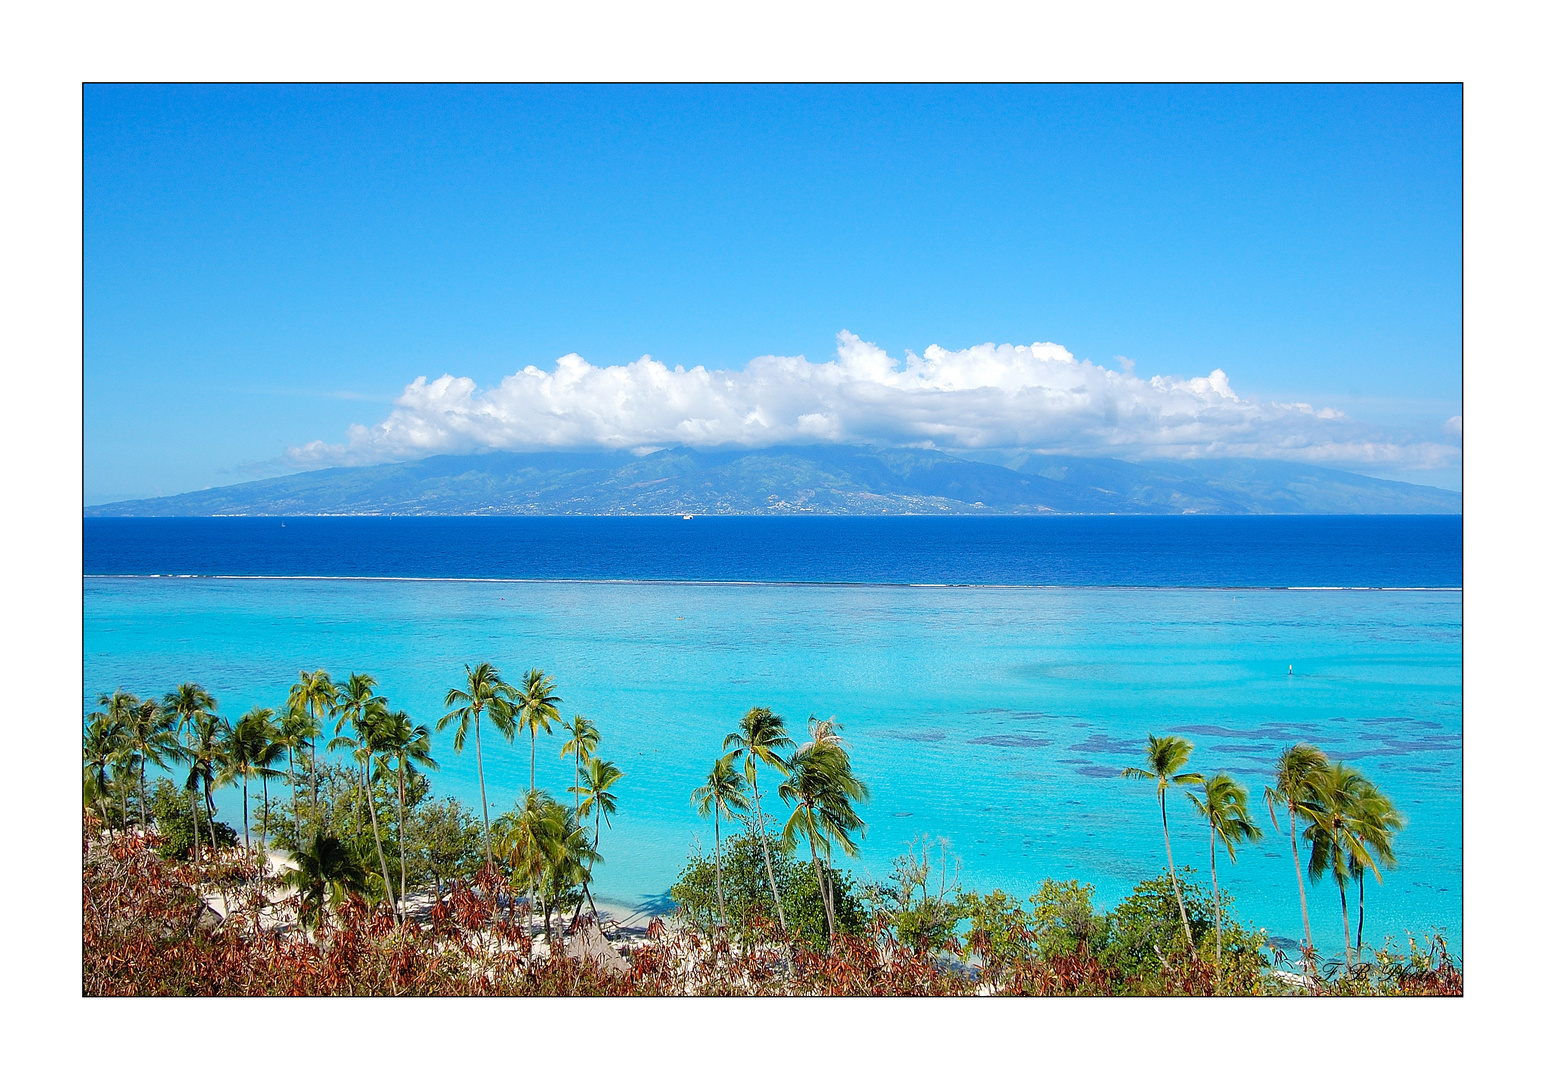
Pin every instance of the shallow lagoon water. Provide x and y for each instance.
(994, 716)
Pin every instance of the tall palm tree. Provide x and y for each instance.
(250, 751)
(405, 749)
(371, 729)
(297, 730)
(760, 736)
(1294, 786)
(582, 742)
(1166, 756)
(822, 787)
(486, 692)
(148, 735)
(1223, 807)
(314, 691)
(535, 706)
(353, 697)
(1333, 833)
(723, 792)
(183, 704)
(1375, 822)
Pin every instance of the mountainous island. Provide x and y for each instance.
(795, 480)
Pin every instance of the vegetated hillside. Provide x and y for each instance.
(808, 479)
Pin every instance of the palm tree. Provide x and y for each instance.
(760, 735)
(582, 743)
(249, 751)
(369, 724)
(405, 749)
(523, 839)
(102, 749)
(148, 735)
(823, 789)
(206, 762)
(314, 691)
(1223, 806)
(723, 791)
(325, 873)
(183, 704)
(1294, 786)
(297, 730)
(1165, 756)
(535, 706)
(485, 691)
(352, 699)
(595, 787)
(1334, 834)
(1375, 822)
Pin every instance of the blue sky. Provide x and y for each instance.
(269, 269)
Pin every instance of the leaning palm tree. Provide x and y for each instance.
(723, 792)
(535, 705)
(486, 692)
(1375, 822)
(822, 787)
(183, 704)
(1166, 756)
(582, 742)
(405, 750)
(315, 693)
(1333, 833)
(760, 736)
(1223, 807)
(1294, 786)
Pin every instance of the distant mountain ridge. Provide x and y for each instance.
(796, 480)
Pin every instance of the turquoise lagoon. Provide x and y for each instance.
(996, 717)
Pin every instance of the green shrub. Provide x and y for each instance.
(749, 900)
(174, 823)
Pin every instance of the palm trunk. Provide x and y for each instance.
(488, 840)
(193, 805)
(263, 828)
(144, 824)
(533, 758)
(246, 836)
(767, 860)
(1304, 907)
(209, 805)
(719, 887)
(402, 843)
(314, 804)
(1186, 925)
(295, 797)
(1218, 913)
(375, 830)
(1347, 933)
(1360, 911)
(826, 909)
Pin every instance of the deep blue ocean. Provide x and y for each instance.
(997, 717)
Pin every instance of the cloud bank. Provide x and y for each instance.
(987, 397)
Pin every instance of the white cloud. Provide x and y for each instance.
(1452, 426)
(989, 396)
